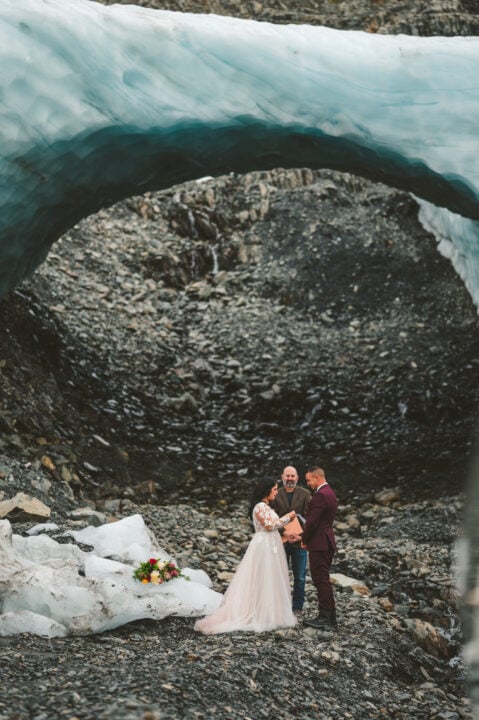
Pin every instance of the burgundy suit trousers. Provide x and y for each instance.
(320, 564)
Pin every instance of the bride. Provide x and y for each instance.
(258, 597)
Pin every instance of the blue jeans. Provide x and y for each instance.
(297, 559)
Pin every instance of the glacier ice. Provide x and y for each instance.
(56, 589)
(97, 103)
(41, 528)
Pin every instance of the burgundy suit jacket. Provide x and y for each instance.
(318, 533)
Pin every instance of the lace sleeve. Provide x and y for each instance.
(267, 518)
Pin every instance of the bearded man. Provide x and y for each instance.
(291, 497)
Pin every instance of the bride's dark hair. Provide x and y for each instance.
(261, 490)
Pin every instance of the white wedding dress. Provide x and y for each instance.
(259, 596)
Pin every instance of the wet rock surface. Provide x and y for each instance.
(179, 345)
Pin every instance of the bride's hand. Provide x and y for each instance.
(292, 514)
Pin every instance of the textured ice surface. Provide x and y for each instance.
(97, 103)
(53, 589)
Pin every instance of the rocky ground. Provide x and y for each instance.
(395, 654)
(178, 345)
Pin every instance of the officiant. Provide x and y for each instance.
(291, 497)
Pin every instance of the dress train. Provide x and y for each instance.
(258, 598)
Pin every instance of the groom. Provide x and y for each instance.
(318, 538)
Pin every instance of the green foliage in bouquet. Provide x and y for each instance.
(158, 571)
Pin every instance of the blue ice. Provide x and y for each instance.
(98, 103)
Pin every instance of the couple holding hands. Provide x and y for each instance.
(259, 598)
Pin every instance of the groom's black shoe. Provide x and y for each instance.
(326, 620)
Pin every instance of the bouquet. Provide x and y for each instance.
(157, 571)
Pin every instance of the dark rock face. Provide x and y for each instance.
(225, 329)
(234, 326)
(440, 17)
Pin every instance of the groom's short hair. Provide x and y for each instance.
(316, 470)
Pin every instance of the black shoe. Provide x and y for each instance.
(326, 620)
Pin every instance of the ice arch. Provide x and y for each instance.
(97, 103)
